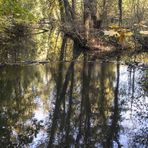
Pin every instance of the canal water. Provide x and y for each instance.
(82, 102)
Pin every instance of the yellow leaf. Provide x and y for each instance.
(114, 26)
(144, 26)
(143, 22)
(128, 34)
(122, 37)
(144, 32)
(111, 33)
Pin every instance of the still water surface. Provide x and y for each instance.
(74, 104)
(84, 102)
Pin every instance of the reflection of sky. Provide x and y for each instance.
(131, 121)
(39, 140)
(41, 114)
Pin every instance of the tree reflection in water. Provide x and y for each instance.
(89, 103)
(17, 104)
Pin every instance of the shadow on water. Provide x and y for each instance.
(89, 103)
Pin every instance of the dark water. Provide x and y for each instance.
(84, 102)
(74, 104)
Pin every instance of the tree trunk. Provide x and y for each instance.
(120, 12)
(61, 10)
(74, 8)
(67, 10)
(87, 17)
(93, 10)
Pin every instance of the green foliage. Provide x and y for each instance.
(14, 9)
(4, 23)
(14, 13)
